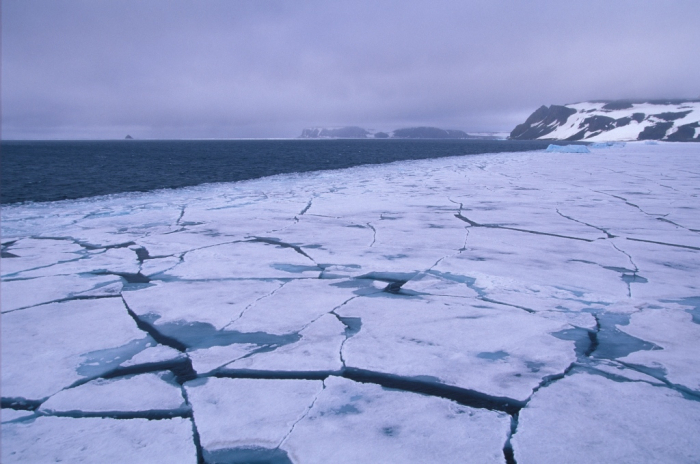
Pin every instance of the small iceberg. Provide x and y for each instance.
(567, 149)
(607, 145)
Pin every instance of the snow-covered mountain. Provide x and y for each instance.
(673, 120)
(353, 132)
(350, 132)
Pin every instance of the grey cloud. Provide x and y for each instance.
(163, 69)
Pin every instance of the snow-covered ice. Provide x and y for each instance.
(63, 439)
(587, 418)
(47, 348)
(353, 422)
(567, 149)
(147, 394)
(493, 308)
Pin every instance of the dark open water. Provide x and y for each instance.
(59, 170)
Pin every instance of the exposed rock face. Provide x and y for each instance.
(539, 122)
(673, 120)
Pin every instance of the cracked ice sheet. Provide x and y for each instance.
(674, 331)
(498, 351)
(342, 421)
(62, 439)
(550, 262)
(130, 394)
(216, 302)
(32, 254)
(8, 415)
(352, 422)
(45, 348)
(247, 413)
(25, 293)
(671, 271)
(292, 307)
(154, 355)
(318, 350)
(245, 260)
(404, 201)
(588, 418)
(114, 260)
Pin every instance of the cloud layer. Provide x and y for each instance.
(188, 69)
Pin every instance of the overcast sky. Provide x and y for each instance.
(198, 69)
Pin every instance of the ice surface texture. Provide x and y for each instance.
(511, 307)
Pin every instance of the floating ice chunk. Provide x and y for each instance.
(145, 393)
(443, 337)
(669, 270)
(317, 351)
(111, 261)
(177, 243)
(517, 260)
(151, 267)
(245, 260)
(63, 439)
(600, 145)
(292, 306)
(158, 354)
(205, 360)
(17, 294)
(435, 284)
(8, 415)
(588, 418)
(567, 149)
(679, 338)
(248, 413)
(216, 303)
(28, 253)
(43, 348)
(353, 422)
(621, 372)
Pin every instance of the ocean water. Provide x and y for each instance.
(58, 170)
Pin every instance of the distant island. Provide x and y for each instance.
(620, 120)
(128, 137)
(354, 132)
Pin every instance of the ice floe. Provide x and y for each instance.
(63, 439)
(509, 307)
(587, 418)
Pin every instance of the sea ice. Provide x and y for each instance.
(248, 413)
(353, 422)
(567, 149)
(25, 293)
(318, 350)
(47, 348)
(143, 394)
(447, 340)
(587, 418)
(679, 340)
(417, 311)
(63, 439)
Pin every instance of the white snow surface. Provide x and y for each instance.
(98, 440)
(561, 285)
(142, 393)
(352, 422)
(240, 413)
(47, 348)
(588, 418)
